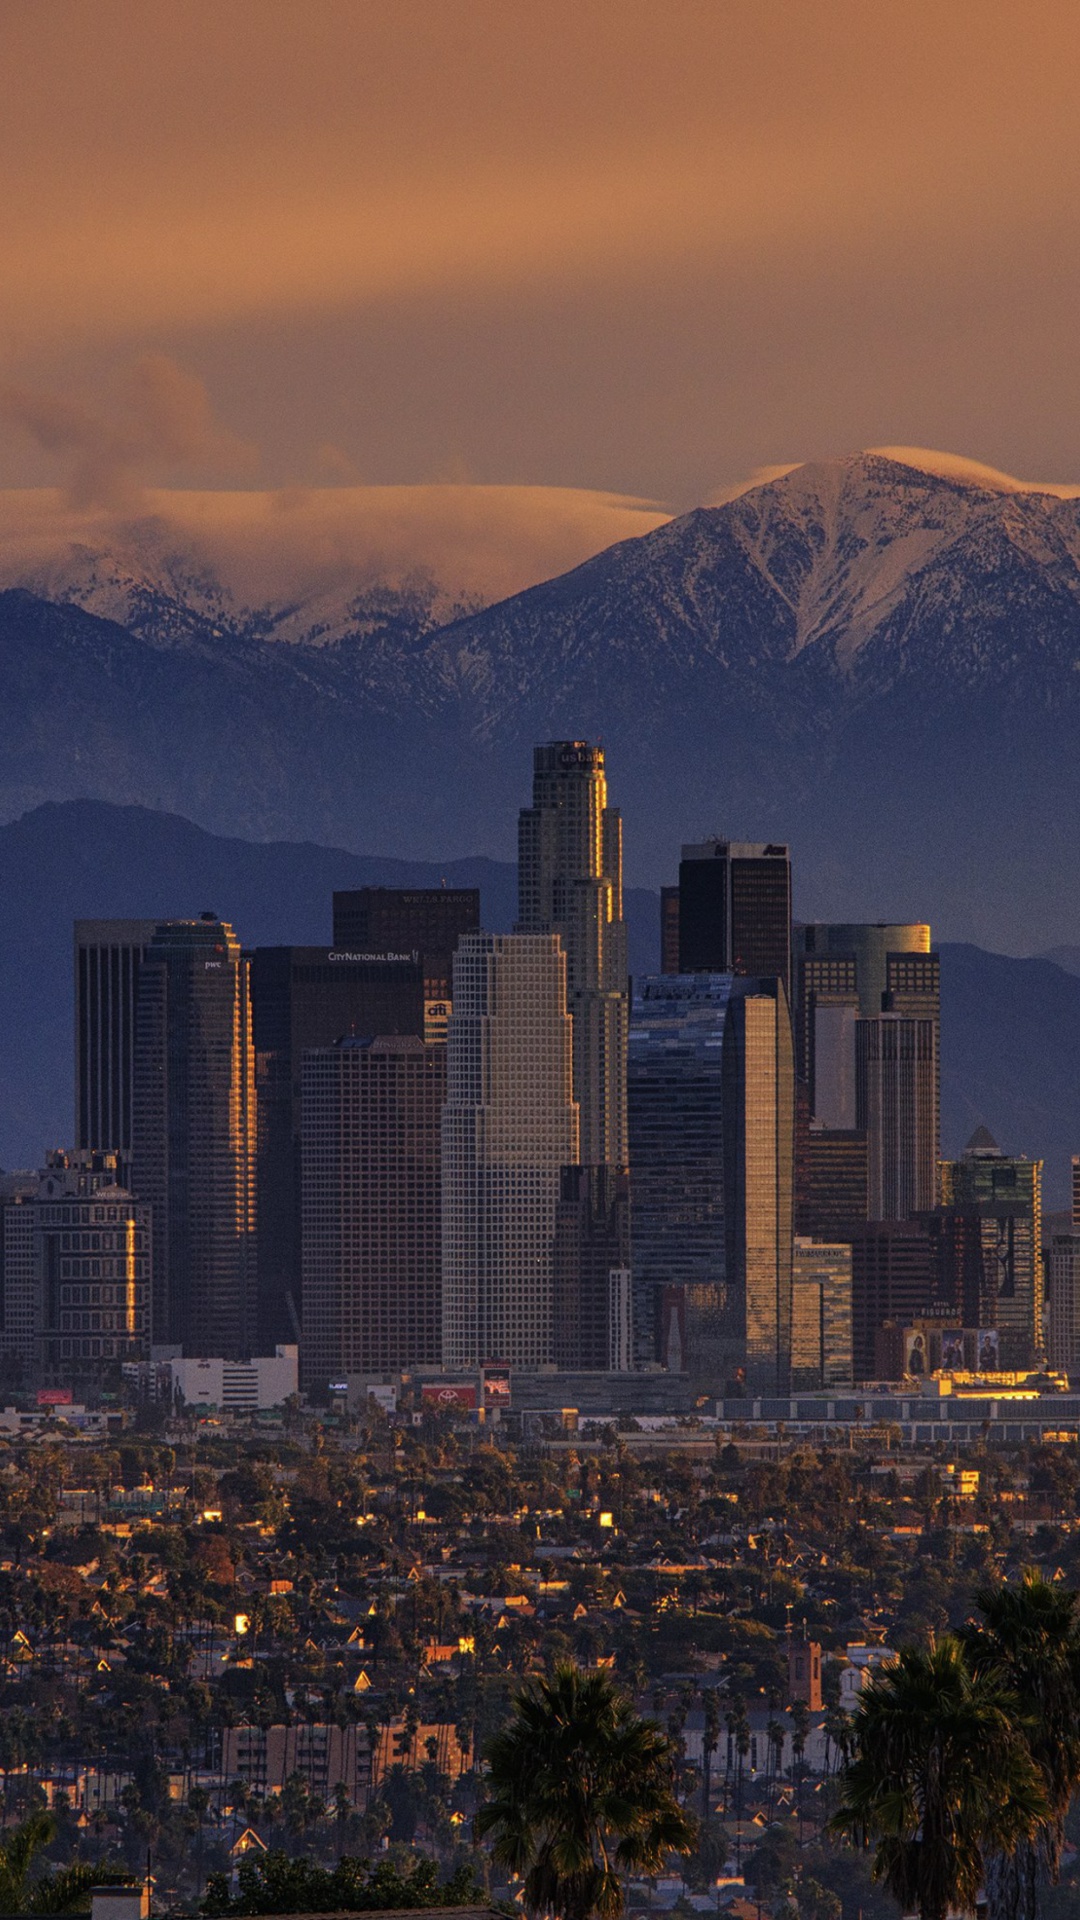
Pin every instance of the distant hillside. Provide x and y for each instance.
(1010, 1058)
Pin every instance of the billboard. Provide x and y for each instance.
(54, 1396)
(916, 1357)
(462, 1396)
(496, 1382)
(952, 1350)
(987, 1350)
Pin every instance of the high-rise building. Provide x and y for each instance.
(570, 884)
(893, 1279)
(896, 1106)
(1063, 1304)
(845, 972)
(510, 1125)
(831, 1191)
(669, 930)
(108, 955)
(1006, 1191)
(675, 1103)
(711, 1094)
(428, 921)
(304, 997)
(371, 1207)
(592, 1258)
(1063, 1290)
(759, 1176)
(821, 1338)
(735, 910)
(193, 1145)
(964, 1282)
(75, 1257)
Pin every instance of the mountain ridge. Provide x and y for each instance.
(853, 657)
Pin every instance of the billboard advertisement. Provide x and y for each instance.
(54, 1396)
(462, 1396)
(952, 1350)
(987, 1350)
(496, 1386)
(916, 1357)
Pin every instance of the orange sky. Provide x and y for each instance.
(590, 243)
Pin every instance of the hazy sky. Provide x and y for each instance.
(593, 243)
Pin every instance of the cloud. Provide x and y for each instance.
(166, 421)
(311, 549)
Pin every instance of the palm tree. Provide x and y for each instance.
(1029, 1641)
(582, 1792)
(63, 1892)
(940, 1777)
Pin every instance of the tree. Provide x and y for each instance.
(273, 1883)
(582, 1791)
(710, 1740)
(21, 1891)
(940, 1777)
(1029, 1641)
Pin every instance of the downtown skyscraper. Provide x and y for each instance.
(733, 910)
(509, 1127)
(108, 956)
(570, 884)
(370, 1144)
(194, 1132)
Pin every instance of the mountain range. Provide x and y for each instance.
(1010, 1028)
(876, 658)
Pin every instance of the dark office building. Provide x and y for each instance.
(735, 910)
(896, 1106)
(371, 1205)
(893, 1278)
(406, 920)
(1006, 1191)
(305, 997)
(108, 955)
(831, 1183)
(962, 1281)
(669, 929)
(591, 1267)
(193, 1144)
(675, 1105)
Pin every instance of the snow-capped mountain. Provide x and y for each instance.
(828, 585)
(874, 657)
(310, 566)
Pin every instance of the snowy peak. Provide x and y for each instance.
(848, 543)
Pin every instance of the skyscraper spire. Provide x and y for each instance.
(570, 883)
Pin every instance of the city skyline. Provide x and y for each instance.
(540, 960)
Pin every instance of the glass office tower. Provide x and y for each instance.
(509, 1127)
(674, 1099)
(194, 1131)
(759, 1177)
(711, 1105)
